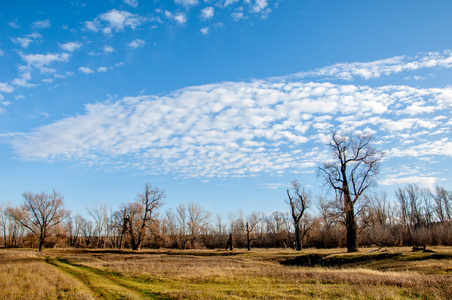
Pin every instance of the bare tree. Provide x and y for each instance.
(351, 173)
(139, 214)
(13, 231)
(252, 221)
(181, 212)
(198, 221)
(299, 201)
(40, 213)
(99, 214)
(443, 204)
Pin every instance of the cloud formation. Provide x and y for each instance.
(383, 67)
(136, 43)
(207, 13)
(244, 128)
(114, 21)
(70, 46)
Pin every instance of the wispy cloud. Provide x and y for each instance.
(136, 43)
(114, 21)
(41, 61)
(6, 88)
(205, 30)
(179, 17)
(207, 13)
(70, 46)
(108, 49)
(187, 3)
(133, 3)
(384, 67)
(24, 42)
(86, 70)
(41, 24)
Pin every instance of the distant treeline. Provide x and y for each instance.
(415, 217)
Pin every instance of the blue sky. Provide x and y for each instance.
(221, 103)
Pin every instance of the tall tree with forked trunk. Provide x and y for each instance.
(139, 214)
(350, 174)
(299, 201)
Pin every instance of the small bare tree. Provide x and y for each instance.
(351, 173)
(13, 231)
(299, 201)
(252, 221)
(40, 213)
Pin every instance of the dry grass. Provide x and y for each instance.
(26, 275)
(260, 274)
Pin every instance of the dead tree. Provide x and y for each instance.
(299, 202)
(350, 174)
(250, 225)
(139, 214)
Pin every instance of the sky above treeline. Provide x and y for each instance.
(222, 103)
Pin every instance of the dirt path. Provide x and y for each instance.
(104, 284)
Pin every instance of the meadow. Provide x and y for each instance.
(386, 273)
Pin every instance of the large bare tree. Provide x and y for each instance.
(139, 214)
(198, 221)
(40, 213)
(299, 201)
(350, 174)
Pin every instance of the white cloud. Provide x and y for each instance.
(27, 40)
(6, 88)
(241, 128)
(70, 46)
(136, 43)
(86, 70)
(114, 20)
(229, 2)
(41, 24)
(216, 130)
(108, 49)
(132, 3)
(384, 67)
(40, 60)
(23, 42)
(13, 24)
(179, 17)
(205, 31)
(25, 77)
(187, 3)
(2, 52)
(237, 16)
(207, 13)
(92, 25)
(259, 5)
(423, 181)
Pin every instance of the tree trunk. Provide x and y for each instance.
(297, 237)
(41, 243)
(230, 243)
(350, 224)
(248, 238)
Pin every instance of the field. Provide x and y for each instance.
(392, 273)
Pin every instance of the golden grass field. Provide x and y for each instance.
(392, 273)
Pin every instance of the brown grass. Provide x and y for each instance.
(259, 274)
(26, 275)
